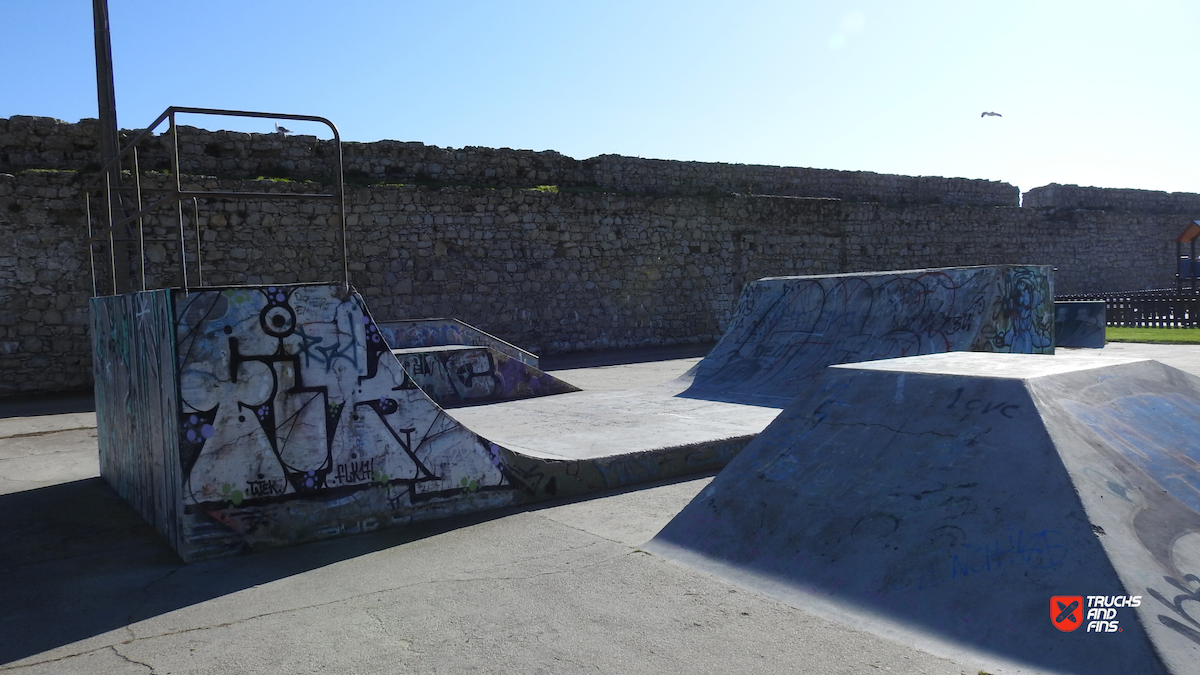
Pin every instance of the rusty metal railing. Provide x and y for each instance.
(175, 194)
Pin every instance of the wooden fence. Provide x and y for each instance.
(1158, 308)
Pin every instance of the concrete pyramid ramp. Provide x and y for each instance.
(943, 500)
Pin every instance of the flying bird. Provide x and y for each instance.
(990, 114)
(284, 131)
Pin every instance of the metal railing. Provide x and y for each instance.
(120, 216)
(1155, 308)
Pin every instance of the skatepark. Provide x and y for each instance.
(893, 470)
(707, 344)
(558, 587)
(874, 495)
(239, 418)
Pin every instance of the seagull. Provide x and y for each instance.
(986, 114)
(282, 131)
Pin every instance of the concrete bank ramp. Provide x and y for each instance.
(786, 330)
(240, 418)
(943, 500)
(1080, 323)
(457, 364)
(459, 375)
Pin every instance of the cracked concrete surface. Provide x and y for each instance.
(33, 461)
(562, 587)
(88, 587)
(39, 425)
(37, 451)
(557, 589)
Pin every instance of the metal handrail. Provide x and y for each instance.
(176, 194)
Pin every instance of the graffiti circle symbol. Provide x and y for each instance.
(278, 320)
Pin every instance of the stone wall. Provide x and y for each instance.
(1055, 196)
(44, 285)
(656, 176)
(622, 252)
(550, 272)
(46, 143)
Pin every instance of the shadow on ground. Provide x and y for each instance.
(76, 562)
(56, 403)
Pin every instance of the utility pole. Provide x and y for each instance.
(109, 140)
(105, 91)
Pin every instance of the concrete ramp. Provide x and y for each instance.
(456, 364)
(458, 375)
(245, 417)
(943, 501)
(240, 418)
(1080, 323)
(441, 332)
(786, 330)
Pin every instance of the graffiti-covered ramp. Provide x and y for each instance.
(240, 418)
(786, 330)
(456, 364)
(943, 500)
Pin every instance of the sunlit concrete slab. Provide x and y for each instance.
(595, 424)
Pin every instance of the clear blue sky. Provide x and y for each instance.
(1093, 93)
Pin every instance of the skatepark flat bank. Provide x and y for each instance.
(943, 500)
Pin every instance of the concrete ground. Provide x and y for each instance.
(562, 587)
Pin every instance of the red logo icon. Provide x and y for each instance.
(1066, 612)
